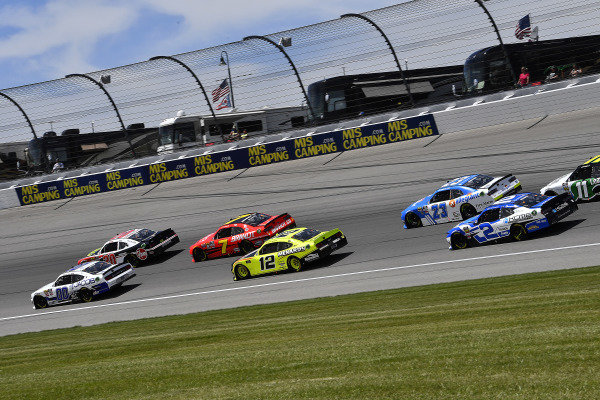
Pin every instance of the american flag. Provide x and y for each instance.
(220, 91)
(224, 103)
(523, 28)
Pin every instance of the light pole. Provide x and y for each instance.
(225, 61)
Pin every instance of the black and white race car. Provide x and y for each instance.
(134, 246)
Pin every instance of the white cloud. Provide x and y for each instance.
(59, 36)
(212, 20)
(49, 39)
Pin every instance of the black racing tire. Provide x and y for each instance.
(85, 295)
(458, 241)
(246, 246)
(242, 272)
(198, 254)
(467, 211)
(518, 233)
(40, 302)
(294, 264)
(132, 259)
(411, 220)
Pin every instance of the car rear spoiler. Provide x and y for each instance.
(270, 224)
(114, 270)
(164, 234)
(504, 187)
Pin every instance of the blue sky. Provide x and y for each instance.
(47, 39)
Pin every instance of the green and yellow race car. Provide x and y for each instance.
(289, 250)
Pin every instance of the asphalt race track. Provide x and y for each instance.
(361, 192)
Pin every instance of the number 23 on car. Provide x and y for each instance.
(289, 250)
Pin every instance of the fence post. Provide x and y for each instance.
(111, 102)
(280, 48)
(485, 10)
(389, 44)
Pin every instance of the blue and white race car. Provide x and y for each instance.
(459, 199)
(513, 217)
(82, 283)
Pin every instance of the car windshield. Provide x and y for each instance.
(478, 181)
(530, 200)
(252, 219)
(142, 234)
(97, 267)
(306, 234)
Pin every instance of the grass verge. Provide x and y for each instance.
(517, 337)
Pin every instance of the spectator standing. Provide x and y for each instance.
(575, 71)
(524, 77)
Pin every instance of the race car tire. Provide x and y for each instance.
(40, 302)
(467, 211)
(518, 232)
(294, 264)
(458, 241)
(412, 221)
(242, 272)
(246, 246)
(85, 295)
(199, 255)
(133, 260)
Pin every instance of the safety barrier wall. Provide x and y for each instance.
(523, 104)
(210, 163)
(509, 107)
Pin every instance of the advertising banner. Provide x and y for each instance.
(262, 154)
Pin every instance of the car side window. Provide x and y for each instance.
(77, 278)
(223, 233)
(506, 212)
(284, 245)
(582, 172)
(122, 245)
(596, 171)
(236, 230)
(109, 247)
(456, 193)
(63, 280)
(489, 216)
(442, 195)
(269, 248)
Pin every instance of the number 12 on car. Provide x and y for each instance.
(267, 262)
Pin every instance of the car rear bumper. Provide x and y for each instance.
(330, 246)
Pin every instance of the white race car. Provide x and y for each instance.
(583, 183)
(82, 283)
(459, 199)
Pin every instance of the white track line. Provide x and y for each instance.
(372, 271)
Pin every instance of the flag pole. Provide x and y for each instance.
(485, 10)
(226, 62)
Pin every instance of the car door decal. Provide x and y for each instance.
(223, 243)
(62, 293)
(439, 211)
(267, 262)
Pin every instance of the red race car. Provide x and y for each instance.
(241, 235)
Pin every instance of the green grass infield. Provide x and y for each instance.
(532, 336)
